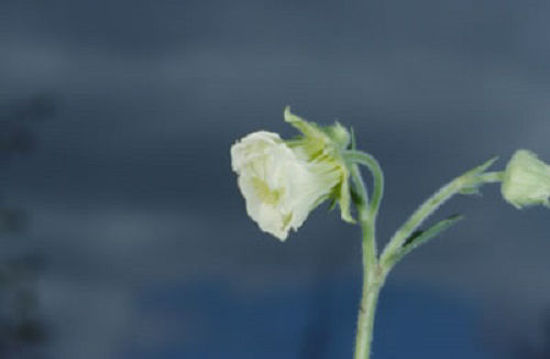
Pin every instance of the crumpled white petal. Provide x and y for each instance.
(280, 189)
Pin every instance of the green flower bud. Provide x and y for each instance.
(526, 180)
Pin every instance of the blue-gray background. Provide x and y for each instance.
(144, 248)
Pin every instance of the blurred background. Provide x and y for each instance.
(122, 230)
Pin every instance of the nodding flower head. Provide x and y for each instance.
(283, 181)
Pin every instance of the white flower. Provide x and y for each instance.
(279, 186)
(526, 180)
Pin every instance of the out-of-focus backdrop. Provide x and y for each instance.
(123, 234)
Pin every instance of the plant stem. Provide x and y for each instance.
(373, 280)
(365, 323)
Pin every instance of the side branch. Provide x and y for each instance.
(467, 183)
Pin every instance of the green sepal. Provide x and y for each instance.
(338, 134)
(335, 135)
(345, 200)
(332, 204)
(471, 187)
(310, 130)
(325, 143)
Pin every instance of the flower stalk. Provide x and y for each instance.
(373, 280)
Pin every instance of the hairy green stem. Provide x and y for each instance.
(373, 280)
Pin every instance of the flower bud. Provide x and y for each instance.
(526, 180)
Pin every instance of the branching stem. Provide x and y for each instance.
(376, 269)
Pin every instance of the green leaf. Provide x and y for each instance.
(419, 238)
